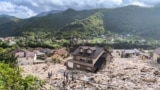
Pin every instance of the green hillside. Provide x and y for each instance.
(90, 26)
(135, 20)
(125, 20)
(6, 19)
(51, 22)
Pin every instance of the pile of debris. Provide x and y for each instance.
(121, 74)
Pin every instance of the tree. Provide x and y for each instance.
(8, 59)
(11, 79)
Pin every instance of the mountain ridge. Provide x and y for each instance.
(125, 20)
(49, 12)
(7, 18)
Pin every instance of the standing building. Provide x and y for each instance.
(25, 57)
(89, 58)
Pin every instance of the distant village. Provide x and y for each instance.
(90, 67)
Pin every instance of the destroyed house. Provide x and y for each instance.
(89, 58)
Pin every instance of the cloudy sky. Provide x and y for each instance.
(29, 8)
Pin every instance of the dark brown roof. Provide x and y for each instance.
(100, 61)
(157, 51)
(96, 52)
(22, 53)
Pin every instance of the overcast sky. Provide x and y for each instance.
(29, 8)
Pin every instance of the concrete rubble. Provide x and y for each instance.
(121, 74)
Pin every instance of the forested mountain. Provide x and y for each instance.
(90, 26)
(51, 22)
(134, 20)
(5, 19)
(125, 20)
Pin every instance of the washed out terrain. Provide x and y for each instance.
(121, 74)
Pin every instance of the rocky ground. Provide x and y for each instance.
(121, 74)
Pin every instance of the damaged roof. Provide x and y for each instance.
(94, 54)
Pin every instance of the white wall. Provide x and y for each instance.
(26, 61)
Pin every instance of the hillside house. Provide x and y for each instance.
(25, 57)
(42, 53)
(89, 58)
(47, 51)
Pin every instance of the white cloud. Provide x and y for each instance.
(140, 4)
(23, 12)
(6, 6)
(15, 10)
(75, 4)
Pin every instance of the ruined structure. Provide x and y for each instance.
(89, 58)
